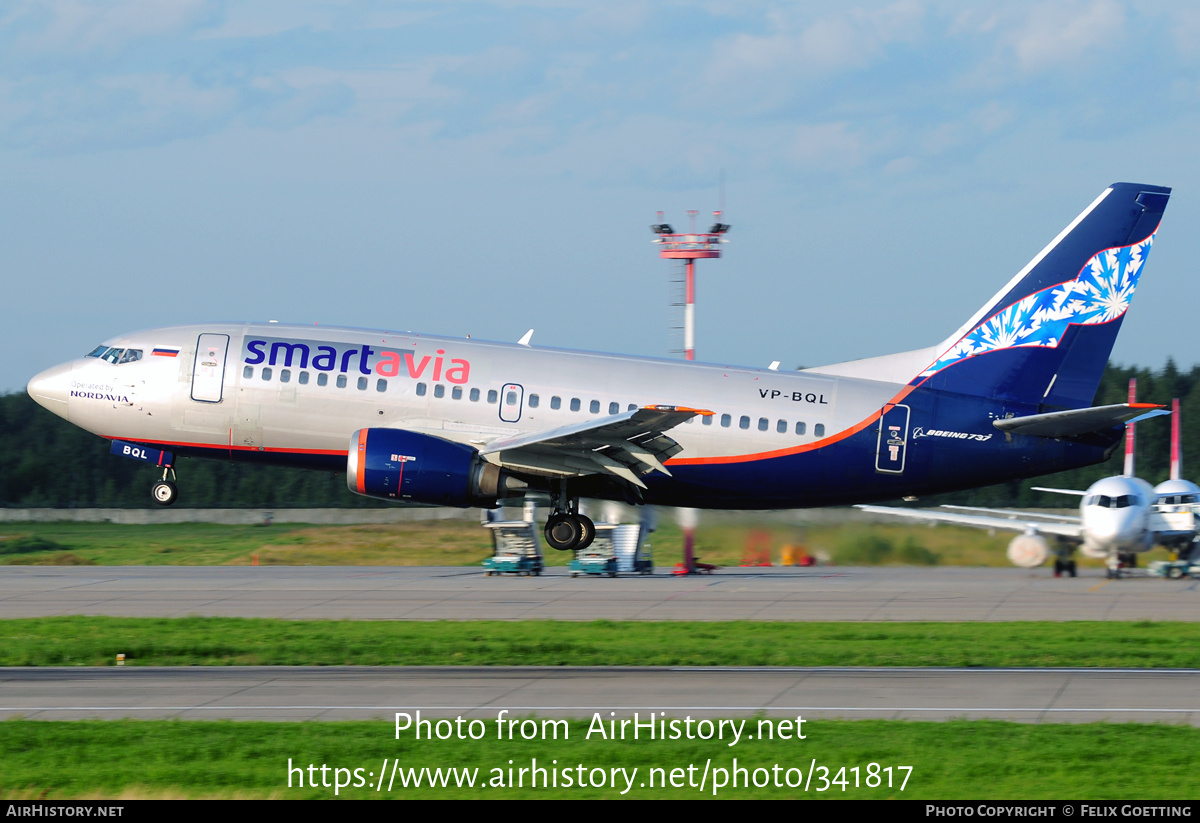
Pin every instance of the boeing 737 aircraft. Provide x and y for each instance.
(453, 422)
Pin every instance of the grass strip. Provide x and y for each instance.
(953, 760)
(227, 641)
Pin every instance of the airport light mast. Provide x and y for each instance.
(690, 247)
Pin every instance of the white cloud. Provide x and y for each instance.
(77, 27)
(1064, 32)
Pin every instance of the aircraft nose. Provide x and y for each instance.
(51, 388)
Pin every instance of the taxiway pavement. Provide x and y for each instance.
(456, 593)
(341, 693)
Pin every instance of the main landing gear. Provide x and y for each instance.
(164, 491)
(1064, 565)
(566, 529)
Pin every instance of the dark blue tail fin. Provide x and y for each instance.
(1045, 338)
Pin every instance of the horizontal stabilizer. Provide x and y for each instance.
(1079, 421)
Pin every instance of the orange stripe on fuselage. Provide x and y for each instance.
(808, 447)
(223, 447)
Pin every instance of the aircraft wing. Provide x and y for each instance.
(1061, 518)
(627, 445)
(1008, 521)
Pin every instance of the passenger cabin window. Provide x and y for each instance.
(285, 376)
(439, 390)
(594, 407)
(266, 373)
(341, 381)
(708, 418)
(744, 422)
(322, 379)
(533, 401)
(362, 384)
(631, 407)
(302, 378)
(474, 395)
(456, 392)
(493, 395)
(422, 388)
(763, 424)
(614, 408)
(800, 428)
(510, 398)
(726, 420)
(381, 385)
(247, 372)
(574, 404)
(556, 402)
(781, 427)
(819, 430)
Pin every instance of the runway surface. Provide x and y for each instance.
(340, 693)
(456, 593)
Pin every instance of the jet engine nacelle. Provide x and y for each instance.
(1028, 550)
(409, 467)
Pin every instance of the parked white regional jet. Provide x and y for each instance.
(453, 422)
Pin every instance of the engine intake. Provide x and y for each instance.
(394, 464)
(1028, 550)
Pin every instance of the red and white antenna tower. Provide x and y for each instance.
(690, 247)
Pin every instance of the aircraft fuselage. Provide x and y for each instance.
(293, 395)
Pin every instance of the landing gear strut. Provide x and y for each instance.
(1063, 566)
(566, 529)
(164, 491)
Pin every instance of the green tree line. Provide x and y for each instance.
(45, 461)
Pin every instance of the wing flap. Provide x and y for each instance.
(627, 445)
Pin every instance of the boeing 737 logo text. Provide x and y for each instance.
(920, 432)
(324, 356)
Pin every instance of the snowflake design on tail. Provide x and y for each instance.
(1100, 293)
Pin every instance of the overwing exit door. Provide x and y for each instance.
(512, 397)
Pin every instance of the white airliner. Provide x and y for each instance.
(1119, 517)
(452, 422)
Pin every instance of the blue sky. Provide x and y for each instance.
(486, 167)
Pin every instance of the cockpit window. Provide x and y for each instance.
(1123, 501)
(116, 355)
